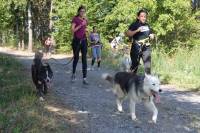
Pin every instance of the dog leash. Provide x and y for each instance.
(71, 58)
(65, 64)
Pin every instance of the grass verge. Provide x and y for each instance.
(20, 109)
(181, 69)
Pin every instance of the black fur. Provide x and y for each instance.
(126, 80)
(39, 76)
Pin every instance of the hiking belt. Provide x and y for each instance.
(143, 42)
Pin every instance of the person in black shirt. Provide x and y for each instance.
(140, 32)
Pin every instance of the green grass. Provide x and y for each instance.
(182, 68)
(20, 109)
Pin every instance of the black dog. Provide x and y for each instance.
(42, 75)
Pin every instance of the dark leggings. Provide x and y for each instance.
(138, 52)
(77, 46)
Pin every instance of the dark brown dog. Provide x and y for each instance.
(42, 75)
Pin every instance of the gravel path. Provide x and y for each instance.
(95, 108)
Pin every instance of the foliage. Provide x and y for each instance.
(181, 69)
(172, 21)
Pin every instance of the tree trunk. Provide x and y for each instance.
(198, 4)
(23, 46)
(195, 4)
(1, 38)
(17, 35)
(51, 23)
(23, 30)
(30, 32)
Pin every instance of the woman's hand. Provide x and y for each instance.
(152, 36)
(83, 23)
(74, 28)
(139, 29)
(131, 33)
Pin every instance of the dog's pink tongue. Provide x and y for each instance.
(157, 96)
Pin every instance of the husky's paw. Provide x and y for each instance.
(154, 118)
(134, 118)
(122, 111)
(119, 108)
(152, 121)
(41, 99)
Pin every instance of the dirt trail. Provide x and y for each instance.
(95, 110)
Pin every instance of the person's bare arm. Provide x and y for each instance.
(74, 28)
(152, 36)
(131, 33)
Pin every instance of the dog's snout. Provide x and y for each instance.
(160, 90)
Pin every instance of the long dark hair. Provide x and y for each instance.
(141, 11)
(79, 9)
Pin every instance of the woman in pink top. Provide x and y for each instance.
(79, 43)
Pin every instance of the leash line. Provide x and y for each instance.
(77, 49)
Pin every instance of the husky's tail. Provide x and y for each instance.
(108, 77)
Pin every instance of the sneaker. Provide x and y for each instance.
(85, 82)
(73, 78)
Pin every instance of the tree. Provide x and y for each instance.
(173, 21)
(195, 4)
(30, 32)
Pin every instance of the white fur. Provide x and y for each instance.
(151, 83)
(47, 73)
(119, 105)
(41, 99)
(125, 63)
(105, 75)
(117, 41)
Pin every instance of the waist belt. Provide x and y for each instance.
(143, 42)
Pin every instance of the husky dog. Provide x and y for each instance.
(42, 74)
(125, 63)
(137, 89)
(117, 41)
